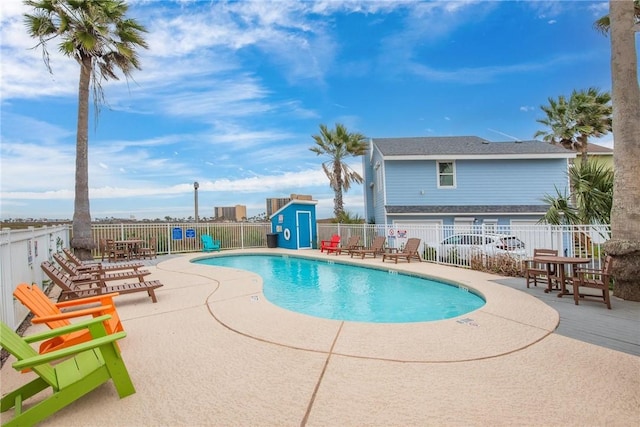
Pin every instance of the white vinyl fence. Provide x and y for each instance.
(21, 253)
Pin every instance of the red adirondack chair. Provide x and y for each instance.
(330, 244)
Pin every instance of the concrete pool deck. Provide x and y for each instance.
(213, 351)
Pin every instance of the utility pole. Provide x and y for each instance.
(195, 198)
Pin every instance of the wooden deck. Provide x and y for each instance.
(617, 329)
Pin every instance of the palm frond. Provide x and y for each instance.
(560, 210)
(89, 29)
(337, 145)
(571, 121)
(592, 188)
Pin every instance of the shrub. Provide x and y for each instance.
(429, 253)
(503, 264)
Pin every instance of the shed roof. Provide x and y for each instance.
(466, 146)
(293, 202)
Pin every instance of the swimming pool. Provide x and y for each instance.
(338, 291)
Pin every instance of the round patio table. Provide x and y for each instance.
(560, 262)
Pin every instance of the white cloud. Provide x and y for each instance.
(599, 9)
(219, 121)
(257, 183)
(36, 168)
(476, 75)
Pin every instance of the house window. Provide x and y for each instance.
(446, 175)
(379, 178)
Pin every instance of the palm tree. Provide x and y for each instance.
(592, 195)
(561, 209)
(624, 245)
(604, 24)
(99, 37)
(349, 218)
(587, 113)
(338, 144)
(592, 188)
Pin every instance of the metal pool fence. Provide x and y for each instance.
(178, 238)
(469, 250)
(23, 250)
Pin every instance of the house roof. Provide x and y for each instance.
(465, 146)
(474, 209)
(598, 150)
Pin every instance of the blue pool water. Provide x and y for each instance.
(345, 292)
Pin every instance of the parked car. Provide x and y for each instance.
(462, 247)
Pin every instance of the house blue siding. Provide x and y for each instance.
(405, 180)
(496, 182)
(478, 182)
(374, 199)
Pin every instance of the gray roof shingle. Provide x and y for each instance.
(463, 145)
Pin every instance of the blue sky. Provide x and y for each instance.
(230, 94)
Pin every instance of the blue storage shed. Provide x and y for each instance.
(295, 224)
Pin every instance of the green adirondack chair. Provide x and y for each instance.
(91, 364)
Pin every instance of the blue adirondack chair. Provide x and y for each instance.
(209, 244)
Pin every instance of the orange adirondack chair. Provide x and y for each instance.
(330, 244)
(49, 313)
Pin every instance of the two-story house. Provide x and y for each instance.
(462, 180)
